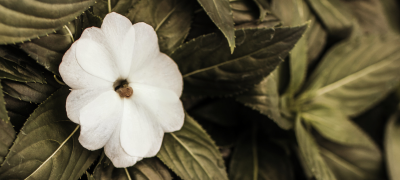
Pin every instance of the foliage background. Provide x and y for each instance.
(273, 89)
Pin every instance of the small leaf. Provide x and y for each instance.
(310, 151)
(29, 20)
(50, 132)
(335, 126)
(245, 16)
(170, 19)
(263, 6)
(392, 146)
(255, 157)
(220, 13)
(192, 154)
(208, 67)
(146, 169)
(264, 97)
(333, 15)
(355, 74)
(119, 6)
(17, 67)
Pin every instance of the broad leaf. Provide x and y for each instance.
(146, 169)
(392, 146)
(334, 16)
(208, 67)
(264, 97)
(49, 50)
(220, 13)
(7, 132)
(311, 153)
(170, 19)
(335, 126)
(192, 154)
(29, 20)
(119, 6)
(255, 157)
(18, 111)
(17, 67)
(47, 146)
(355, 74)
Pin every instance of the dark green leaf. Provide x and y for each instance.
(119, 6)
(220, 13)
(18, 111)
(192, 154)
(356, 74)
(208, 67)
(392, 13)
(170, 19)
(29, 20)
(256, 158)
(263, 6)
(392, 146)
(264, 97)
(245, 16)
(7, 132)
(334, 16)
(17, 67)
(3, 112)
(311, 153)
(146, 169)
(47, 147)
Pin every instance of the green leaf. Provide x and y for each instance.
(352, 162)
(355, 74)
(47, 147)
(17, 67)
(171, 21)
(3, 112)
(335, 126)
(220, 13)
(392, 146)
(29, 20)
(245, 16)
(208, 68)
(392, 13)
(18, 111)
(316, 38)
(192, 154)
(311, 153)
(264, 97)
(119, 6)
(334, 16)
(49, 50)
(7, 132)
(255, 157)
(263, 6)
(146, 169)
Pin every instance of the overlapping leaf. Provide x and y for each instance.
(208, 67)
(29, 20)
(7, 132)
(192, 154)
(245, 15)
(47, 147)
(220, 13)
(170, 19)
(356, 74)
(392, 146)
(119, 6)
(18, 111)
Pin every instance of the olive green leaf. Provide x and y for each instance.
(49, 50)
(7, 132)
(47, 146)
(101, 8)
(263, 6)
(333, 15)
(15, 67)
(192, 154)
(208, 68)
(171, 20)
(310, 152)
(335, 126)
(146, 169)
(352, 162)
(3, 111)
(18, 111)
(220, 13)
(355, 74)
(245, 16)
(29, 20)
(264, 97)
(392, 146)
(255, 157)
(392, 14)
(316, 38)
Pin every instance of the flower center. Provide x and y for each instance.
(123, 89)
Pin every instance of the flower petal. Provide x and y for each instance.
(79, 98)
(141, 135)
(96, 59)
(120, 35)
(116, 153)
(164, 104)
(76, 77)
(99, 118)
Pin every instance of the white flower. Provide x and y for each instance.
(125, 92)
